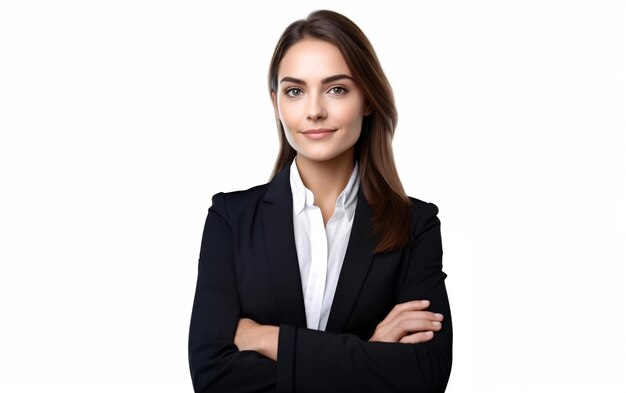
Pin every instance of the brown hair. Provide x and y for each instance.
(378, 176)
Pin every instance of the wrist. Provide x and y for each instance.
(269, 341)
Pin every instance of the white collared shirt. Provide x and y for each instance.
(321, 251)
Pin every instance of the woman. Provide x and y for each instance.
(314, 281)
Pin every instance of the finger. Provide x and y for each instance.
(418, 337)
(407, 306)
(405, 326)
(400, 327)
(428, 315)
(411, 315)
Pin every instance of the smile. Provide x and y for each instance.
(319, 133)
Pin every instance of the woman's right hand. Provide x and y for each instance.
(407, 323)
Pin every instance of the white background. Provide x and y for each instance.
(120, 119)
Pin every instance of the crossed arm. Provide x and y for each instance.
(228, 353)
(406, 323)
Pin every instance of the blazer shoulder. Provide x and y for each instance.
(245, 196)
(423, 214)
(238, 202)
(420, 207)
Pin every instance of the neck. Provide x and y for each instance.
(326, 179)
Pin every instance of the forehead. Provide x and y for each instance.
(312, 59)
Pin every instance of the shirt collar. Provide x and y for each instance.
(303, 197)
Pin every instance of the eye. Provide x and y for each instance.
(340, 89)
(292, 89)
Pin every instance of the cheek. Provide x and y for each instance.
(348, 113)
(288, 114)
(353, 124)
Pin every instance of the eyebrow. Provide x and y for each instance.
(324, 81)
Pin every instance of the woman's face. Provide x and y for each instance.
(315, 90)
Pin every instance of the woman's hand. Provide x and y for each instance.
(251, 336)
(407, 318)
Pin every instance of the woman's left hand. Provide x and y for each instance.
(251, 336)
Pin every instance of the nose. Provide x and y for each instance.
(316, 108)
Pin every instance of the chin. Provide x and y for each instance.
(320, 156)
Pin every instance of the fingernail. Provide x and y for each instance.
(425, 302)
(437, 315)
(436, 323)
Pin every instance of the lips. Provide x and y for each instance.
(318, 131)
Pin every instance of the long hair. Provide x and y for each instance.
(378, 176)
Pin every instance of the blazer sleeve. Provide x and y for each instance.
(318, 361)
(215, 363)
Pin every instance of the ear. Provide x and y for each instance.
(368, 110)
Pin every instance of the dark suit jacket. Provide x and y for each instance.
(248, 267)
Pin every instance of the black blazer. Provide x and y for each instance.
(248, 267)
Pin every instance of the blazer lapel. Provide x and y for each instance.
(356, 265)
(277, 215)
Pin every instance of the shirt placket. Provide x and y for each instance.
(316, 283)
